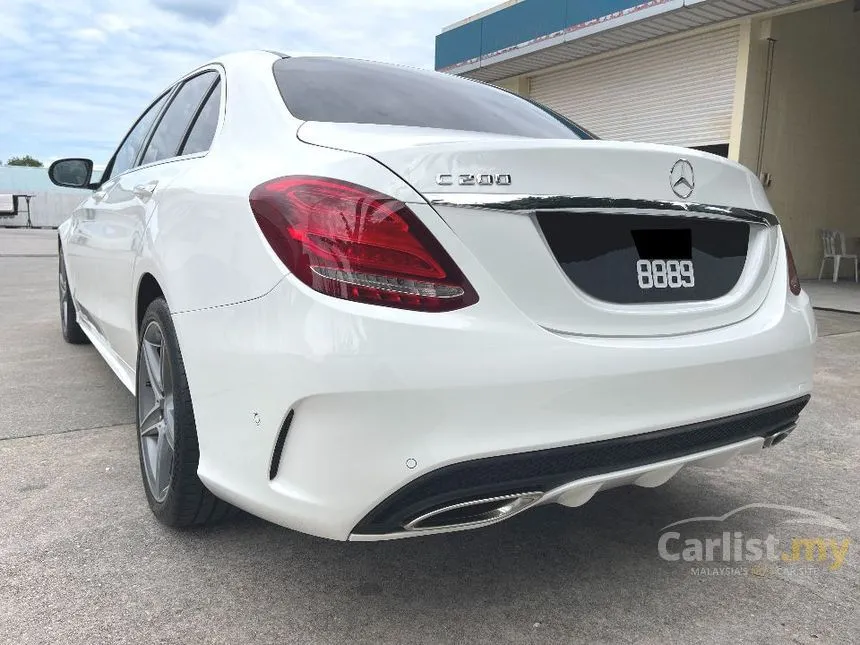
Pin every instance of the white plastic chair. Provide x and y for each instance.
(834, 249)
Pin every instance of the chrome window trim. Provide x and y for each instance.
(522, 203)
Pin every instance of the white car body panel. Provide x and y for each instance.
(478, 383)
(592, 169)
(381, 396)
(605, 169)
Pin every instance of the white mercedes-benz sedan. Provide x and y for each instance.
(369, 302)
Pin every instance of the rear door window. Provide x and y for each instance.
(203, 129)
(171, 129)
(130, 148)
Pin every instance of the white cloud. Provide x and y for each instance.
(74, 75)
(89, 33)
(111, 22)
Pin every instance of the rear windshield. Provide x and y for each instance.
(338, 90)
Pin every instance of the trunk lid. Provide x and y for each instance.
(589, 237)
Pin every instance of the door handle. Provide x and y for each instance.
(144, 191)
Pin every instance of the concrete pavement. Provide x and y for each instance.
(83, 561)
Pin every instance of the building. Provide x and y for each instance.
(772, 84)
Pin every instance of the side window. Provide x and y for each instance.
(128, 150)
(171, 129)
(203, 130)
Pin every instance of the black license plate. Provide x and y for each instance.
(629, 259)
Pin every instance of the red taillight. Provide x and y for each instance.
(793, 280)
(350, 242)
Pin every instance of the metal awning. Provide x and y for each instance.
(579, 41)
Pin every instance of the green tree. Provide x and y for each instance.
(26, 160)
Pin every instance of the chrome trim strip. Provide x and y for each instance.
(530, 203)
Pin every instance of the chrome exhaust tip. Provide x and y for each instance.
(474, 513)
(778, 437)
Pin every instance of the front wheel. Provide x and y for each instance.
(72, 332)
(167, 435)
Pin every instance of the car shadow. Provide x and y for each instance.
(543, 552)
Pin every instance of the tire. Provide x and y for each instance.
(72, 332)
(166, 432)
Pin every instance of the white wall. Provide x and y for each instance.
(518, 84)
(812, 143)
(48, 209)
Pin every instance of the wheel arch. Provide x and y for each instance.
(148, 289)
(62, 256)
(63, 231)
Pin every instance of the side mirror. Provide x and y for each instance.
(71, 173)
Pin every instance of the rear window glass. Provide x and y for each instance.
(348, 91)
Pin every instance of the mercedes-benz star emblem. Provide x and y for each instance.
(682, 179)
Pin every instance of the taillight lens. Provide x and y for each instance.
(793, 280)
(350, 242)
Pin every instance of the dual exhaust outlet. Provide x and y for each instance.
(474, 513)
(489, 510)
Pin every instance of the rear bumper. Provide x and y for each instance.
(571, 475)
(381, 398)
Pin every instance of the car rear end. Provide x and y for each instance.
(531, 320)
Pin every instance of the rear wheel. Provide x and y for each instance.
(72, 332)
(167, 435)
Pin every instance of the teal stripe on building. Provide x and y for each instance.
(520, 23)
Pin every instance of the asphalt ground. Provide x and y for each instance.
(83, 561)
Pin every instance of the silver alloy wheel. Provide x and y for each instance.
(155, 412)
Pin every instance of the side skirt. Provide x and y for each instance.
(123, 372)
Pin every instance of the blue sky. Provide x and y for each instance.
(75, 75)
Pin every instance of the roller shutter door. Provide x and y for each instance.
(678, 93)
